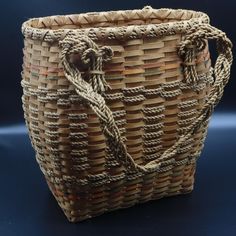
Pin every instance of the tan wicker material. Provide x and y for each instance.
(117, 103)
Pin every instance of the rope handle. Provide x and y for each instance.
(91, 92)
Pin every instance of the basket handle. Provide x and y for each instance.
(93, 56)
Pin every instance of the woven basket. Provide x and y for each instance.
(117, 103)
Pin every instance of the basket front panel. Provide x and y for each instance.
(151, 104)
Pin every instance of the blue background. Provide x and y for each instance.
(26, 205)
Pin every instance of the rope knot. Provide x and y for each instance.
(196, 41)
(90, 55)
(187, 51)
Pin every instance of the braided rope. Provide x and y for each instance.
(90, 93)
(195, 41)
(94, 56)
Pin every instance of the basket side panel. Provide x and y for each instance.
(152, 107)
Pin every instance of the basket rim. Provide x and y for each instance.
(39, 28)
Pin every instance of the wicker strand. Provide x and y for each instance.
(90, 92)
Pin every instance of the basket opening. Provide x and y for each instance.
(115, 18)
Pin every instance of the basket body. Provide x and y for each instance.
(151, 105)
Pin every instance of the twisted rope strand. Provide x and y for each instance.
(90, 92)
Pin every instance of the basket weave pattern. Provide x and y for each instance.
(125, 122)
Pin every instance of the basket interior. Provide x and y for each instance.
(115, 18)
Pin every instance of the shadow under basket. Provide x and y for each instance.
(117, 103)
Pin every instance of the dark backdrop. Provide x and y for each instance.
(26, 205)
(14, 12)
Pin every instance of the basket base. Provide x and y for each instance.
(180, 182)
(79, 219)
